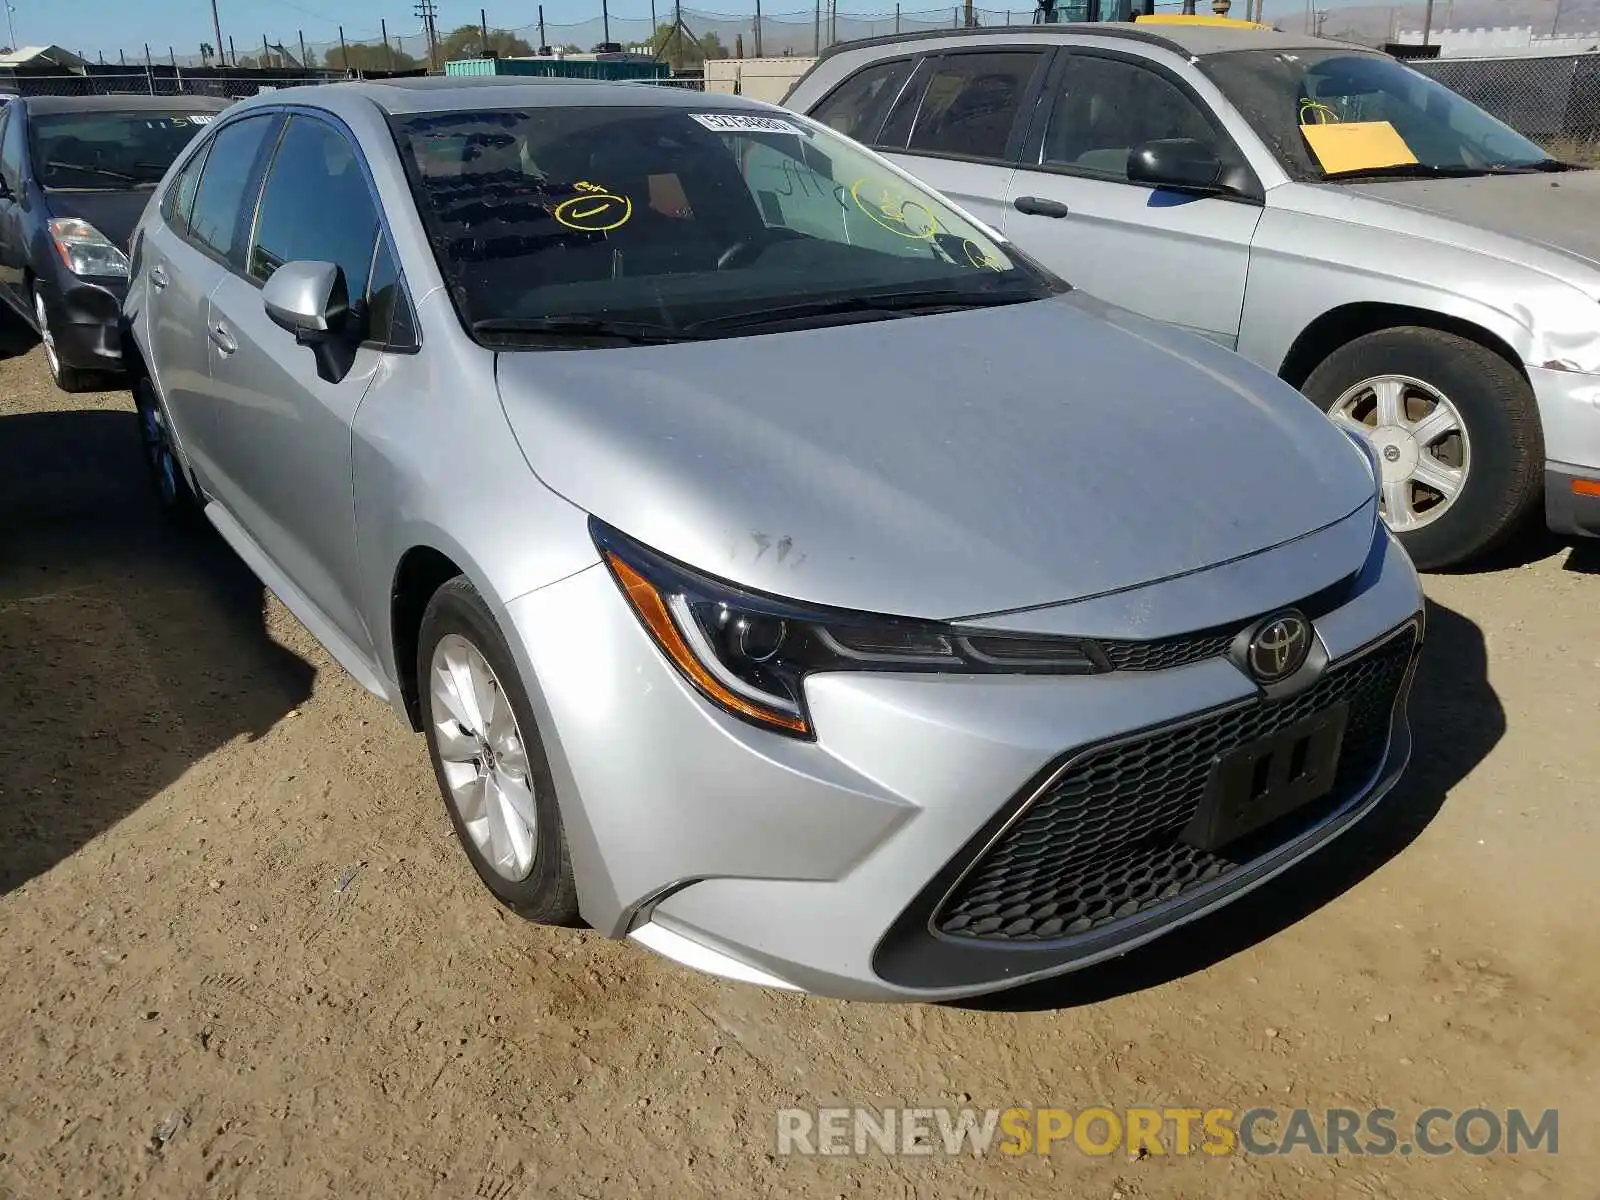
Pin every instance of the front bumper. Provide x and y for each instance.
(1569, 411)
(87, 322)
(816, 865)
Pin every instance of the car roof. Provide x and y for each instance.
(446, 93)
(1197, 41)
(44, 105)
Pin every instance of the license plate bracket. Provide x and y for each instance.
(1253, 786)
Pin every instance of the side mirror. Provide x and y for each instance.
(311, 300)
(1186, 164)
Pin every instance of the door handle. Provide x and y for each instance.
(1038, 206)
(223, 340)
(158, 277)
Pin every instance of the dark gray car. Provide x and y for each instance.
(75, 173)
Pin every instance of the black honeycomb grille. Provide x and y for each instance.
(1167, 653)
(1101, 844)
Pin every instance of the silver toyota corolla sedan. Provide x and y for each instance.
(785, 571)
(1425, 274)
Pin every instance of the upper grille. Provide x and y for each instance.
(1101, 843)
(1165, 653)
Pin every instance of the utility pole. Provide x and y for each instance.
(483, 33)
(428, 10)
(265, 53)
(216, 28)
(816, 30)
(1427, 22)
(544, 45)
(301, 34)
(758, 28)
(11, 24)
(388, 54)
(605, 22)
(344, 50)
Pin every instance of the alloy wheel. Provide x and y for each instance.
(1422, 446)
(48, 338)
(483, 757)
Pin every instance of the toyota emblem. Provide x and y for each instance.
(1278, 647)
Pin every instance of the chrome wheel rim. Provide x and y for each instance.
(483, 757)
(1424, 453)
(158, 450)
(45, 336)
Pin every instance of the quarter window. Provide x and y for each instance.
(971, 103)
(224, 180)
(1105, 107)
(856, 107)
(11, 152)
(177, 204)
(316, 206)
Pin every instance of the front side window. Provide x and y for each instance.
(224, 180)
(11, 152)
(856, 107)
(1329, 114)
(109, 151)
(683, 223)
(1105, 107)
(315, 206)
(971, 103)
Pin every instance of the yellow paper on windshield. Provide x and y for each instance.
(1357, 145)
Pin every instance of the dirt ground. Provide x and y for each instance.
(242, 955)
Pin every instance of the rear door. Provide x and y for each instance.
(202, 230)
(283, 433)
(959, 124)
(1174, 256)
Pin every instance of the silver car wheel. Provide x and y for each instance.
(482, 757)
(45, 336)
(1421, 443)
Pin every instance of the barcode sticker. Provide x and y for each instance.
(200, 119)
(745, 123)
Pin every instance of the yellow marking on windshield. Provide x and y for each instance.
(1357, 145)
(979, 257)
(898, 214)
(593, 209)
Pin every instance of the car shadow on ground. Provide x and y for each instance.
(129, 650)
(1456, 719)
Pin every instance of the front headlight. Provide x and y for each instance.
(750, 653)
(87, 251)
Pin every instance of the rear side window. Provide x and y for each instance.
(972, 101)
(224, 180)
(178, 203)
(856, 107)
(316, 206)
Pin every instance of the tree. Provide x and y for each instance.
(684, 52)
(466, 41)
(364, 57)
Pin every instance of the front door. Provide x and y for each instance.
(282, 433)
(1176, 257)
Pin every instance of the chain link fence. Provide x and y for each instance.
(1553, 100)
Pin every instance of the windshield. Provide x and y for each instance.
(1327, 113)
(108, 151)
(672, 222)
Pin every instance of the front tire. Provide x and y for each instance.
(1456, 431)
(489, 758)
(66, 378)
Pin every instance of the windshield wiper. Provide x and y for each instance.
(638, 333)
(87, 169)
(1431, 171)
(909, 303)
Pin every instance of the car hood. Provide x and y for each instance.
(1555, 210)
(112, 213)
(938, 466)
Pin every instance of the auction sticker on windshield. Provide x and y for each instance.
(745, 123)
(1357, 145)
